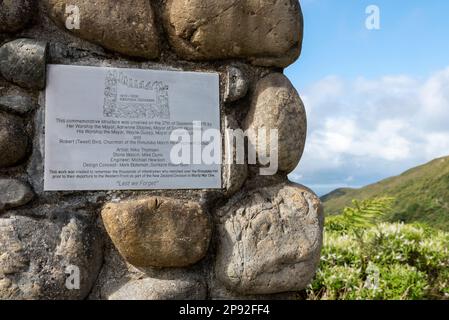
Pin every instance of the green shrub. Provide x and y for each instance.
(398, 282)
(409, 262)
(336, 282)
(415, 245)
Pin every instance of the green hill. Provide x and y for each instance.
(422, 195)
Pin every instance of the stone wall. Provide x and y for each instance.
(258, 237)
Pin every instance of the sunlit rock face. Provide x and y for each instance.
(270, 239)
(127, 27)
(267, 33)
(158, 232)
(277, 105)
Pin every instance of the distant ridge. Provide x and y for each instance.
(422, 195)
(336, 193)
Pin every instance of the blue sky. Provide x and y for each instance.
(377, 100)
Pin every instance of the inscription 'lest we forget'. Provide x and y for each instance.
(109, 129)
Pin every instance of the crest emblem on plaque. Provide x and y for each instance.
(126, 97)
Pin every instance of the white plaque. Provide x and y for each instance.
(110, 128)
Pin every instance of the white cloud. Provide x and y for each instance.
(368, 129)
(437, 144)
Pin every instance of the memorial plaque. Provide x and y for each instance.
(113, 129)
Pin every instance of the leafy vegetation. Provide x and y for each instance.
(365, 259)
(421, 195)
(363, 214)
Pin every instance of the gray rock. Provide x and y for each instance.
(269, 239)
(17, 104)
(158, 231)
(123, 26)
(121, 280)
(14, 193)
(35, 255)
(13, 140)
(23, 62)
(234, 169)
(237, 84)
(277, 105)
(161, 289)
(35, 168)
(15, 14)
(115, 273)
(267, 33)
(217, 291)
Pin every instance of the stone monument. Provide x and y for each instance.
(78, 79)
